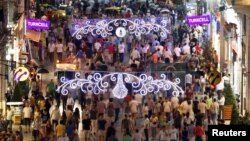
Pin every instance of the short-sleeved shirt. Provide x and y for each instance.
(27, 112)
(101, 124)
(86, 124)
(60, 130)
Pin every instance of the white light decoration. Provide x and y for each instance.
(120, 91)
(136, 26)
(142, 84)
(120, 32)
(8, 57)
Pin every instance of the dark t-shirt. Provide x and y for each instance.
(199, 118)
(193, 42)
(112, 138)
(125, 123)
(93, 114)
(110, 131)
(101, 124)
(195, 106)
(45, 118)
(86, 124)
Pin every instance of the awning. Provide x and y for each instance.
(33, 35)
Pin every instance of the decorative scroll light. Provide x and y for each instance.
(106, 27)
(98, 83)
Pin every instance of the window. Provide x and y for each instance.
(244, 22)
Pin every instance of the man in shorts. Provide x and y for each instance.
(101, 127)
(27, 112)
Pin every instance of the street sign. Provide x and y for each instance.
(214, 77)
(37, 24)
(21, 74)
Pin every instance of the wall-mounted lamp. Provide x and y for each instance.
(8, 57)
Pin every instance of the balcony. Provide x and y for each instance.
(240, 2)
(241, 6)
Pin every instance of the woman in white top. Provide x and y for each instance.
(167, 56)
(55, 116)
(177, 53)
(154, 124)
(9, 115)
(145, 109)
(162, 134)
(59, 50)
(51, 49)
(70, 101)
(71, 47)
(173, 134)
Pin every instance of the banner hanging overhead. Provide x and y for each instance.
(198, 20)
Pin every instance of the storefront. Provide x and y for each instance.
(233, 47)
(15, 43)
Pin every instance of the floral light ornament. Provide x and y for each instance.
(136, 26)
(142, 84)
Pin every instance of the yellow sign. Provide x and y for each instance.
(21, 74)
(65, 66)
(214, 77)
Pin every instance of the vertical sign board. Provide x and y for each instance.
(198, 20)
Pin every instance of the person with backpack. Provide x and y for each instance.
(127, 136)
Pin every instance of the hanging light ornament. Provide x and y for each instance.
(98, 83)
(136, 26)
(120, 91)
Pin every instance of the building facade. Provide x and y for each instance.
(236, 29)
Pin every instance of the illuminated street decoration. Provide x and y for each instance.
(98, 83)
(106, 27)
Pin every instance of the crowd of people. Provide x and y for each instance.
(136, 117)
(106, 118)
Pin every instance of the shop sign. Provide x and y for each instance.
(21, 74)
(198, 20)
(38, 24)
(214, 77)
